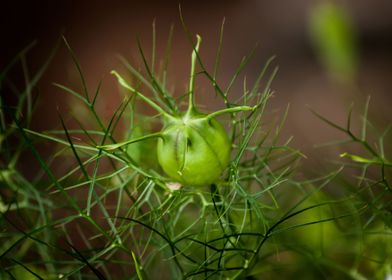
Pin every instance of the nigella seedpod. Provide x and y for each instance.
(193, 148)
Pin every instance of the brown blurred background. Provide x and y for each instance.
(98, 30)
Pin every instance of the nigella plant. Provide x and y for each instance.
(204, 205)
(218, 198)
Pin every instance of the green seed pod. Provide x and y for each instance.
(194, 150)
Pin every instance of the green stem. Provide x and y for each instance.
(144, 98)
(131, 141)
(230, 110)
(378, 160)
(195, 53)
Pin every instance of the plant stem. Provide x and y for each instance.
(230, 110)
(131, 141)
(145, 99)
(195, 53)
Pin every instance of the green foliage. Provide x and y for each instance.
(111, 212)
(333, 37)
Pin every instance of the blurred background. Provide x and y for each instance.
(329, 53)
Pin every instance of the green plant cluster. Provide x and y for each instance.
(112, 213)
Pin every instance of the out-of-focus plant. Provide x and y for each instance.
(334, 40)
(371, 187)
(23, 204)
